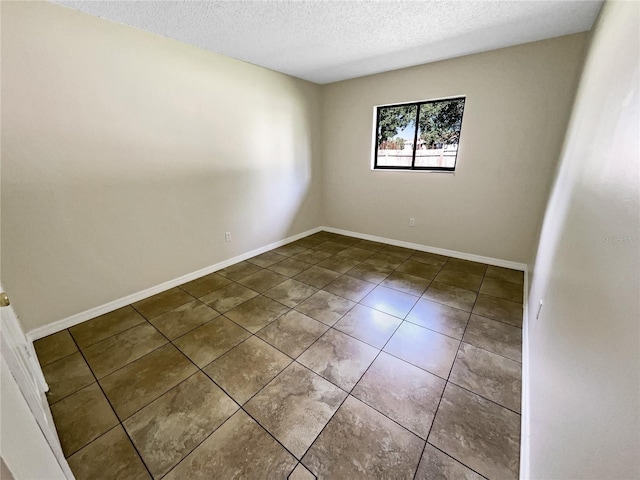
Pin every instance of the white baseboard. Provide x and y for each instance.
(524, 405)
(524, 418)
(425, 248)
(73, 320)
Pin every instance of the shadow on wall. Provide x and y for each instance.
(585, 345)
(90, 216)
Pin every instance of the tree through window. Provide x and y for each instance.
(419, 136)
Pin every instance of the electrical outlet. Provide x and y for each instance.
(412, 222)
(227, 236)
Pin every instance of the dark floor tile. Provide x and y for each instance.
(291, 292)
(240, 448)
(344, 240)
(369, 245)
(439, 317)
(115, 352)
(54, 347)
(436, 465)
(290, 249)
(502, 289)
(384, 260)
(292, 333)
(262, 280)
(322, 236)
(206, 343)
(169, 407)
(489, 375)
(66, 376)
(139, 383)
(455, 297)
(183, 319)
(308, 242)
(478, 433)
(399, 252)
(317, 276)
(162, 302)
(468, 266)
(289, 267)
(424, 348)
(82, 417)
(429, 258)
(406, 283)
(362, 443)
(257, 313)
(390, 301)
(339, 358)
(349, 287)
(419, 269)
(295, 407)
(507, 274)
(369, 325)
(497, 337)
(105, 326)
(301, 473)
(499, 309)
(229, 297)
(355, 253)
(369, 273)
(110, 457)
(338, 264)
(239, 271)
(169, 428)
(246, 368)
(325, 307)
(330, 247)
(267, 259)
(312, 256)
(465, 280)
(401, 391)
(203, 285)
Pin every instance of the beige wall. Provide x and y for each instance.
(126, 156)
(516, 112)
(126, 151)
(585, 346)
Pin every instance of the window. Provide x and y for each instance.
(418, 136)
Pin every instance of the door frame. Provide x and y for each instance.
(22, 361)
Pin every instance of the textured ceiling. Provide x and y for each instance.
(326, 41)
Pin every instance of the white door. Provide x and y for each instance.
(22, 363)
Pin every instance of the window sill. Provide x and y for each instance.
(408, 170)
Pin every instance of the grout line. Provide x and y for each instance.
(57, 359)
(492, 352)
(126, 364)
(200, 443)
(456, 460)
(114, 413)
(86, 347)
(380, 350)
(329, 327)
(483, 397)
(240, 407)
(449, 381)
(445, 386)
(120, 422)
(499, 321)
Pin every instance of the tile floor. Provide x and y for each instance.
(331, 357)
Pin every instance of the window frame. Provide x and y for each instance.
(412, 167)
